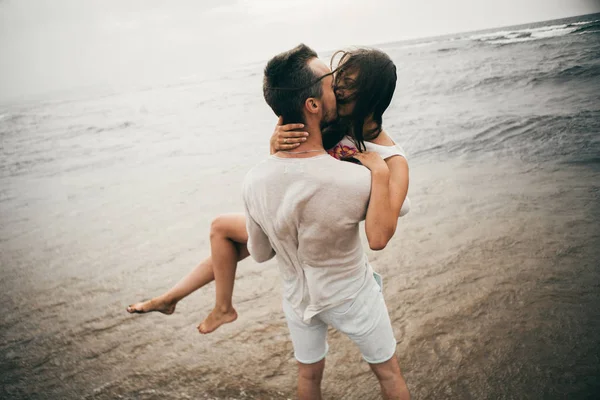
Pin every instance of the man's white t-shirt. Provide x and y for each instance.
(307, 211)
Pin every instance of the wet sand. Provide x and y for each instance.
(491, 282)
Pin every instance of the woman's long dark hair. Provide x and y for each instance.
(373, 91)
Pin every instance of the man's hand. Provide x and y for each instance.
(286, 137)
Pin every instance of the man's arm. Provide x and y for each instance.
(259, 245)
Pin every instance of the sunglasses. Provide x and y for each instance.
(304, 87)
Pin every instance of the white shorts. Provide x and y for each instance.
(364, 319)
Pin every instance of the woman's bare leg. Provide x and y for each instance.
(166, 302)
(228, 240)
(203, 273)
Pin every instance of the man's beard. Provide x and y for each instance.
(330, 119)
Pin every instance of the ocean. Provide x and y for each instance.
(492, 280)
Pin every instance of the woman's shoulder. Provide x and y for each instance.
(383, 139)
(385, 146)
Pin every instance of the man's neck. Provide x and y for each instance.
(311, 148)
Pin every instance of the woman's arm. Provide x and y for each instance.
(398, 184)
(286, 137)
(399, 179)
(380, 223)
(385, 205)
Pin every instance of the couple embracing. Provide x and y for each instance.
(303, 205)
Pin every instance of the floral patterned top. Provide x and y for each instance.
(346, 148)
(342, 150)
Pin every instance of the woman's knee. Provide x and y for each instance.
(229, 226)
(218, 226)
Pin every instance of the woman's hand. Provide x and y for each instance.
(286, 137)
(373, 161)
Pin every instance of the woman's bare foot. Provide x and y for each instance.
(216, 318)
(157, 304)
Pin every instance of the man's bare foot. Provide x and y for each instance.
(156, 304)
(216, 318)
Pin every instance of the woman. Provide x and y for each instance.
(364, 84)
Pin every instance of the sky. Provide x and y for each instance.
(49, 46)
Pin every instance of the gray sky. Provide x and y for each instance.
(54, 45)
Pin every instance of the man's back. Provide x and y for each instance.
(309, 209)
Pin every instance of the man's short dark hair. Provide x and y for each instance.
(287, 71)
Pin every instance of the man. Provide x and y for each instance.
(305, 207)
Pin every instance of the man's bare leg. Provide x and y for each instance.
(309, 380)
(393, 386)
(228, 238)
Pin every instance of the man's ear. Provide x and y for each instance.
(312, 105)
